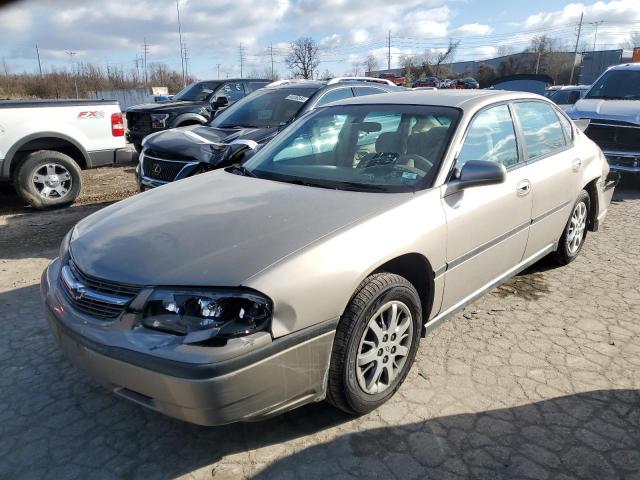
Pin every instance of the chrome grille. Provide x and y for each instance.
(95, 297)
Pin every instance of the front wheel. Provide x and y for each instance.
(375, 344)
(47, 179)
(575, 232)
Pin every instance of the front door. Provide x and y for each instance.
(487, 226)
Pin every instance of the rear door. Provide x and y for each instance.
(487, 226)
(554, 170)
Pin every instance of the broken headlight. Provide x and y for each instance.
(159, 120)
(201, 315)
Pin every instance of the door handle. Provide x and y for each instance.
(576, 164)
(523, 187)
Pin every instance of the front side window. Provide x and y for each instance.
(264, 108)
(335, 95)
(542, 130)
(234, 91)
(491, 137)
(362, 147)
(617, 85)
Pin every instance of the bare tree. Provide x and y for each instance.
(370, 63)
(445, 56)
(504, 50)
(326, 75)
(304, 57)
(632, 42)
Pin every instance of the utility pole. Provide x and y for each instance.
(271, 52)
(184, 76)
(75, 77)
(389, 52)
(144, 64)
(39, 64)
(241, 52)
(186, 62)
(595, 33)
(218, 65)
(575, 55)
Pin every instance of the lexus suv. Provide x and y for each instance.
(313, 270)
(194, 105)
(243, 128)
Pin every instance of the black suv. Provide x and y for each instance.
(237, 132)
(193, 105)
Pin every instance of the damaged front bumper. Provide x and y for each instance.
(207, 385)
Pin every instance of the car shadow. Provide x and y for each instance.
(588, 435)
(55, 422)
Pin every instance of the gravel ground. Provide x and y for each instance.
(540, 379)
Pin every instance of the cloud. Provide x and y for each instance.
(470, 29)
(14, 21)
(619, 11)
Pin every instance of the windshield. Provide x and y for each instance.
(360, 147)
(617, 85)
(196, 92)
(264, 108)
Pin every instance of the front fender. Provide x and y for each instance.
(188, 117)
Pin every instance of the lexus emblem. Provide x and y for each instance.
(157, 169)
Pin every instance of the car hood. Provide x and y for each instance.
(162, 107)
(215, 229)
(206, 144)
(620, 110)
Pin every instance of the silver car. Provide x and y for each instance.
(312, 271)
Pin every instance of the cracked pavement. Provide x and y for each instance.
(540, 379)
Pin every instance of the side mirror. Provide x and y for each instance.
(221, 102)
(476, 173)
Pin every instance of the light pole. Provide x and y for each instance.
(75, 77)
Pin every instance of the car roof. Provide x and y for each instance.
(626, 66)
(220, 80)
(318, 84)
(465, 99)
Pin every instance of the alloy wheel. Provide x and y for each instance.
(384, 347)
(52, 181)
(577, 226)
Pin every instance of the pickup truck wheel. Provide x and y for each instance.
(47, 179)
(375, 344)
(575, 231)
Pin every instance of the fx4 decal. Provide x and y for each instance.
(90, 115)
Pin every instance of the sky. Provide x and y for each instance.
(215, 31)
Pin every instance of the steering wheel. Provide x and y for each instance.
(419, 162)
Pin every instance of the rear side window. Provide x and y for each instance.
(491, 137)
(541, 126)
(360, 91)
(335, 95)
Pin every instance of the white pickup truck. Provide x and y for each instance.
(45, 143)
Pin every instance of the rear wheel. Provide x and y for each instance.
(375, 344)
(47, 179)
(575, 232)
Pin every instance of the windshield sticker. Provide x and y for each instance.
(409, 175)
(296, 98)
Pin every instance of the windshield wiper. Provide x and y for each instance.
(241, 170)
(306, 183)
(362, 187)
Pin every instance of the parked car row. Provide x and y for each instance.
(460, 83)
(236, 133)
(312, 270)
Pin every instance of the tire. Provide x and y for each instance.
(346, 387)
(58, 183)
(569, 246)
